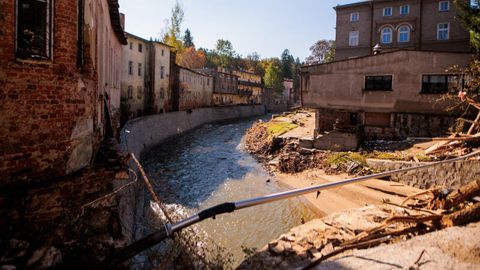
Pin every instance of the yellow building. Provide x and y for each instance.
(249, 82)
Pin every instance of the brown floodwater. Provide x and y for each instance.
(210, 166)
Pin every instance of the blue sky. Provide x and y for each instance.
(264, 26)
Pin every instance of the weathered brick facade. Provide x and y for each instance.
(52, 110)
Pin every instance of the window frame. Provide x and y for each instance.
(140, 47)
(49, 33)
(376, 88)
(162, 72)
(423, 90)
(140, 69)
(401, 9)
(400, 34)
(440, 6)
(354, 18)
(130, 92)
(384, 11)
(390, 34)
(447, 30)
(351, 36)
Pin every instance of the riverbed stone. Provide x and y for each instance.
(277, 249)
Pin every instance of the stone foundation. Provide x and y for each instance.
(451, 175)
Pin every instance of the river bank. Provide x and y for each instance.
(356, 216)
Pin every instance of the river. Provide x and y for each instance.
(210, 166)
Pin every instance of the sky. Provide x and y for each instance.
(264, 26)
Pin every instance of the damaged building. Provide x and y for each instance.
(388, 84)
(60, 98)
(146, 86)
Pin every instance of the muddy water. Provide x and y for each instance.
(208, 167)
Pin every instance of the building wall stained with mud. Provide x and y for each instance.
(57, 76)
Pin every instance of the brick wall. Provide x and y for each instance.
(47, 107)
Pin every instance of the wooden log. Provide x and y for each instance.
(462, 217)
(474, 125)
(462, 194)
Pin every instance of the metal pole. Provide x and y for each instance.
(231, 207)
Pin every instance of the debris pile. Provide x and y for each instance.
(294, 159)
(309, 245)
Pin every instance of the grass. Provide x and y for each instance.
(276, 129)
(343, 158)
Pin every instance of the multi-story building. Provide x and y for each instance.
(225, 87)
(60, 79)
(428, 25)
(195, 89)
(396, 92)
(146, 77)
(249, 82)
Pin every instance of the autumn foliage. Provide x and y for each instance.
(192, 58)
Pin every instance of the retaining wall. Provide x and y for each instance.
(143, 133)
(451, 175)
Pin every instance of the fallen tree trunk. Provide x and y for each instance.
(462, 194)
(462, 217)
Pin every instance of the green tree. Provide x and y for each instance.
(225, 53)
(273, 75)
(287, 64)
(188, 39)
(470, 17)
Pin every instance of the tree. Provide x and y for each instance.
(172, 35)
(191, 58)
(323, 51)
(287, 64)
(470, 17)
(188, 39)
(225, 53)
(273, 75)
(252, 63)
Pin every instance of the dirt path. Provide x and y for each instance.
(346, 197)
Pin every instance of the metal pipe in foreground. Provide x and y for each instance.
(169, 229)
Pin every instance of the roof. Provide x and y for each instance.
(383, 53)
(145, 40)
(194, 71)
(353, 4)
(116, 21)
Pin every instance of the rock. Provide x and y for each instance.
(45, 258)
(305, 151)
(327, 249)
(277, 249)
(315, 253)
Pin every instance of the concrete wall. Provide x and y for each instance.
(340, 85)
(448, 175)
(143, 133)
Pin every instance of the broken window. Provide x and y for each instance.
(130, 92)
(439, 84)
(378, 83)
(34, 25)
(130, 67)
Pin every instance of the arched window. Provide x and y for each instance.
(387, 35)
(404, 34)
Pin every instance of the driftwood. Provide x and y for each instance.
(462, 217)
(462, 194)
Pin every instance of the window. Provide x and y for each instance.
(404, 34)
(131, 45)
(404, 10)
(140, 47)
(353, 39)
(439, 84)
(387, 35)
(378, 83)
(34, 28)
(139, 69)
(355, 17)
(130, 68)
(163, 52)
(444, 6)
(139, 92)
(443, 30)
(162, 71)
(387, 11)
(162, 93)
(130, 92)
